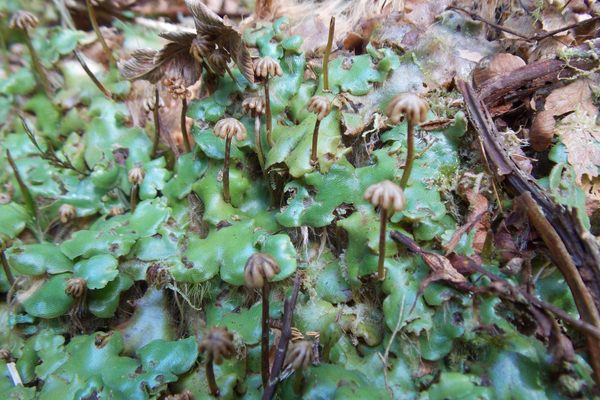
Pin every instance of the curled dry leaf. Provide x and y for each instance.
(542, 131)
(499, 64)
(172, 61)
(180, 59)
(571, 97)
(211, 26)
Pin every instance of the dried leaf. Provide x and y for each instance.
(211, 26)
(571, 97)
(442, 268)
(173, 60)
(592, 194)
(581, 136)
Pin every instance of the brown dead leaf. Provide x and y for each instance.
(571, 97)
(423, 13)
(442, 268)
(592, 194)
(542, 131)
(478, 219)
(499, 64)
(581, 135)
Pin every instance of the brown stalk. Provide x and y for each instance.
(9, 276)
(268, 113)
(410, 153)
(210, 376)
(286, 334)
(96, 27)
(315, 143)
(156, 114)
(133, 197)
(186, 139)
(226, 194)
(382, 229)
(326, 55)
(259, 153)
(93, 77)
(264, 340)
(37, 65)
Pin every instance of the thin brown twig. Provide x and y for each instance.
(286, 334)
(513, 292)
(92, 76)
(537, 37)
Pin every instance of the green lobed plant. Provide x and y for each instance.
(156, 289)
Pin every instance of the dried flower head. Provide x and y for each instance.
(260, 267)
(299, 355)
(23, 20)
(409, 104)
(177, 88)
(218, 343)
(229, 128)
(254, 105)
(183, 57)
(387, 195)
(6, 355)
(116, 210)
(319, 105)
(201, 48)
(266, 67)
(136, 175)
(66, 213)
(75, 287)
(218, 60)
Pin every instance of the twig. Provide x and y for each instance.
(96, 27)
(476, 17)
(89, 73)
(7, 272)
(286, 333)
(326, 55)
(515, 292)
(537, 37)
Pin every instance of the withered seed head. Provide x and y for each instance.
(218, 343)
(6, 355)
(229, 128)
(254, 105)
(260, 267)
(201, 47)
(66, 213)
(219, 59)
(319, 105)
(75, 287)
(299, 355)
(176, 87)
(23, 20)
(136, 175)
(266, 67)
(387, 195)
(116, 210)
(409, 104)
